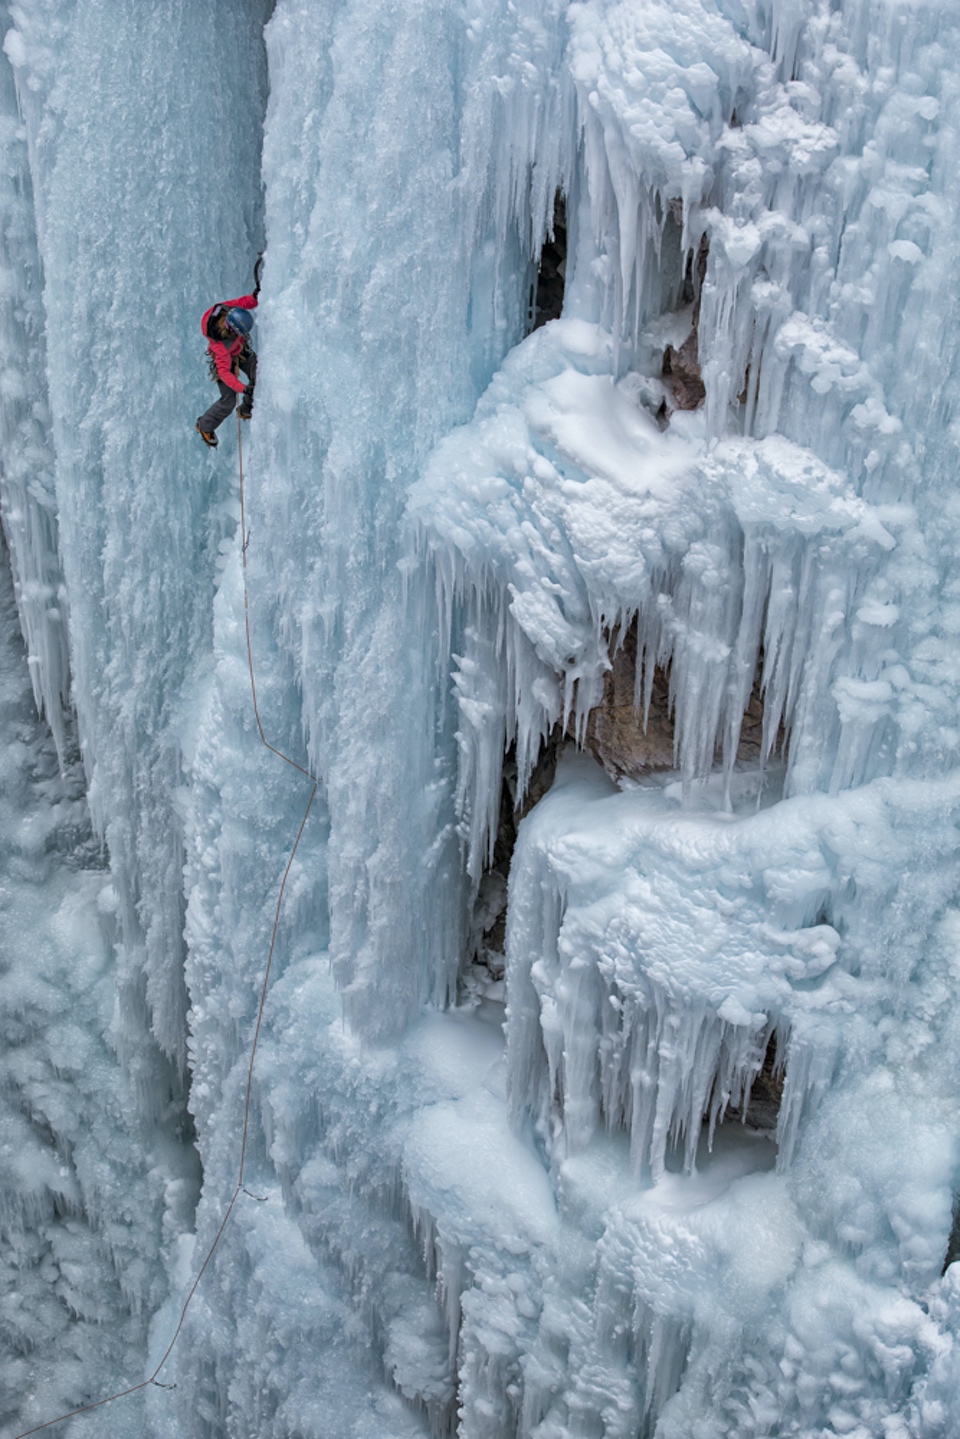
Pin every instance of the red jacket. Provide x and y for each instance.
(225, 355)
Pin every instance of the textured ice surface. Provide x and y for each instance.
(783, 535)
(562, 512)
(28, 500)
(88, 1192)
(129, 248)
(566, 1230)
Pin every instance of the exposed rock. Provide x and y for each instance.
(681, 374)
(680, 371)
(483, 975)
(617, 737)
(763, 1106)
(953, 1243)
(551, 278)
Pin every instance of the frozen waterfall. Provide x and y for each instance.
(600, 545)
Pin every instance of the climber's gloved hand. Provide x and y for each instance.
(246, 404)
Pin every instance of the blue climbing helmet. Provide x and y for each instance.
(240, 322)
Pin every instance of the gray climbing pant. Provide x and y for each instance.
(223, 407)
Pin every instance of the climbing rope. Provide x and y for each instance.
(146, 1383)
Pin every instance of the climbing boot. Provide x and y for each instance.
(246, 404)
(208, 437)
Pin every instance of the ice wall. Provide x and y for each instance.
(29, 504)
(781, 536)
(569, 1232)
(372, 346)
(117, 124)
(397, 285)
(89, 1192)
(115, 232)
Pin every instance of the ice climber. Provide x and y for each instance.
(226, 327)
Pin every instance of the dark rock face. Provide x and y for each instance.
(953, 1244)
(617, 737)
(762, 1110)
(681, 367)
(551, 278)
(483, 976)
(681, 374)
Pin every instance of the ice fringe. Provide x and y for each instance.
(782, 538)
(738, 565)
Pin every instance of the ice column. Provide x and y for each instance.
(146, 197)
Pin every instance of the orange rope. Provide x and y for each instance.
(145, 1383)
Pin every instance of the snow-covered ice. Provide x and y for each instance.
(589, 1100)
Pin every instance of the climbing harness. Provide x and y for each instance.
(240, 1187)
